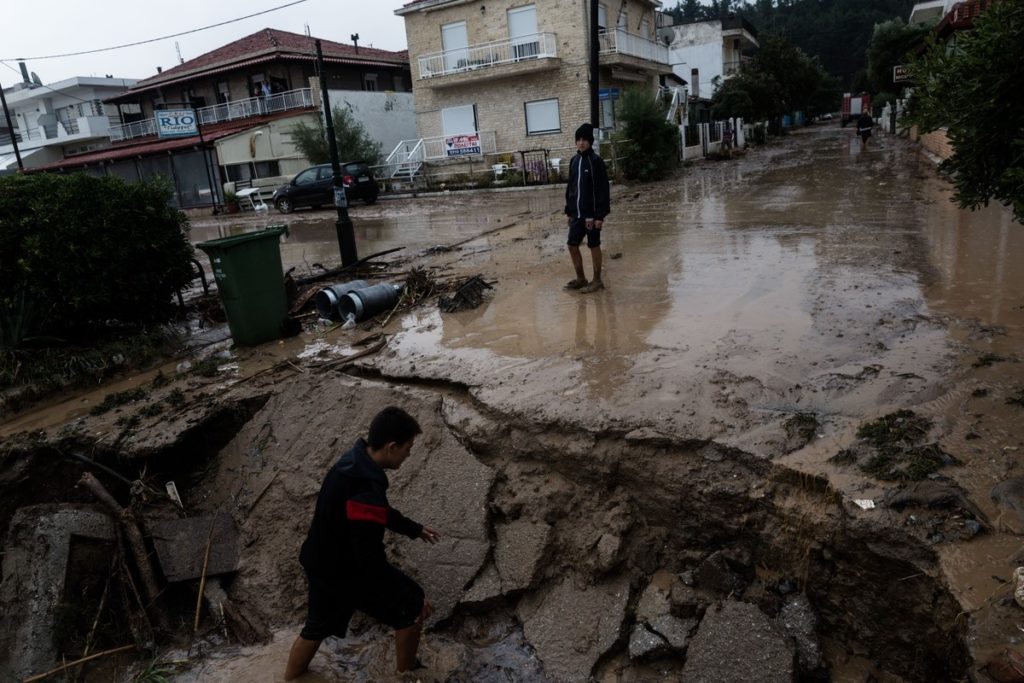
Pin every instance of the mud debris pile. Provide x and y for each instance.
(586, 554)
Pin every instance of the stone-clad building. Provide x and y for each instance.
(517, 73)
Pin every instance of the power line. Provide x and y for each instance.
(59, 92)
(154, 40)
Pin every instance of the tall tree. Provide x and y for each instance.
(354, 143)
(975, 92)
(779, 80)
(891, 45)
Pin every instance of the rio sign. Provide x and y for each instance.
(176, 123)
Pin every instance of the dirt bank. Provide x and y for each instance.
(608, 471)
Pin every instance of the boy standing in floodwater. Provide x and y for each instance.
(586, 205)
(343, 555)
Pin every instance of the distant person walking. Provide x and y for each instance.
(864, 125)
(586, 205)
(343, 555)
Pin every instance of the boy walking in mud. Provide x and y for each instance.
(343, 554)
(586, 205)
(864, 125)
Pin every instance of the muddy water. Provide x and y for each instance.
(749, 289)
(412, 225)
(810, 276)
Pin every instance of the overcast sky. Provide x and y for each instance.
(32, 29)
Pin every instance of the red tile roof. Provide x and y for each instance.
(961, 16)
(154, 145)
(271, 43)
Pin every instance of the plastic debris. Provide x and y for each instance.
(468, 295)
(350, 322)
(865, 503)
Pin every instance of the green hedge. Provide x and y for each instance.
(77, 252)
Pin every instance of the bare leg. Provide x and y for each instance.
(577, 261)
(407, 641)
(595, 255)
(299, 657)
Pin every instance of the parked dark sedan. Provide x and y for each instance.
(315, 186)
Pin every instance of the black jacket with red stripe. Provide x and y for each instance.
(346, 537)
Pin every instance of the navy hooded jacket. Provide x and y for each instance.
(346, 537)
(587, 194)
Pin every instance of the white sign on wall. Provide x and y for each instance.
(176, 123)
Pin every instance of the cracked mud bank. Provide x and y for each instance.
(642, 484)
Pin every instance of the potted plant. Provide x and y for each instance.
(231, 202)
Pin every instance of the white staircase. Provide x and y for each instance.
(406, 160)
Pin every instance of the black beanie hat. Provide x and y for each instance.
(585, 132)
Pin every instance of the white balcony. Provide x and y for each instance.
(63, 132)
(617, 42)
(229, 111)
(522, 50)
(733, 67)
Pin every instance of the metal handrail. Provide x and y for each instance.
(403, 156)
(618, 41)
(410, 154)
(483, 55)
(301, 98)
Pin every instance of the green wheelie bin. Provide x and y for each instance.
(251, 283)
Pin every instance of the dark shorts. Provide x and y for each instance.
(395, 601)
(578, 230)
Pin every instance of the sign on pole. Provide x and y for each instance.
(901, 74)
(176, 123)
(460, 145)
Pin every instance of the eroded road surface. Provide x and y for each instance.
(662, 480)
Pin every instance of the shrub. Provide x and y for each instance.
(354, 143)
(650, 143)
(77, 251)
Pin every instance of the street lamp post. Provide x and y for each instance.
(10, 127)
(594, 66)
(342, 226)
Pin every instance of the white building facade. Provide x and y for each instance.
(703, 51)
(59, 120)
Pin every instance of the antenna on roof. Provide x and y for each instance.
(355, 41)
(178, 48)
(307, 32)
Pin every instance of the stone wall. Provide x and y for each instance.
(935, 142)
(500, 94)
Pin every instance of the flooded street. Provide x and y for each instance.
(628, 466)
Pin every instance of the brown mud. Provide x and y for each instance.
(584, 452)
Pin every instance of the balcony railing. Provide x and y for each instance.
(535, 46)
(408, 155)
(229, 111)
(135, 129)
(733, 67)
(617, 41)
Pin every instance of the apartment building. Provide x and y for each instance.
(58, 120)
(703, 52)
(496, 76)
(247, 96)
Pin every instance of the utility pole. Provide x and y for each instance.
(342, 226)
(594, 67)
(10, 127)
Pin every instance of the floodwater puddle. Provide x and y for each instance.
(635, 431)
